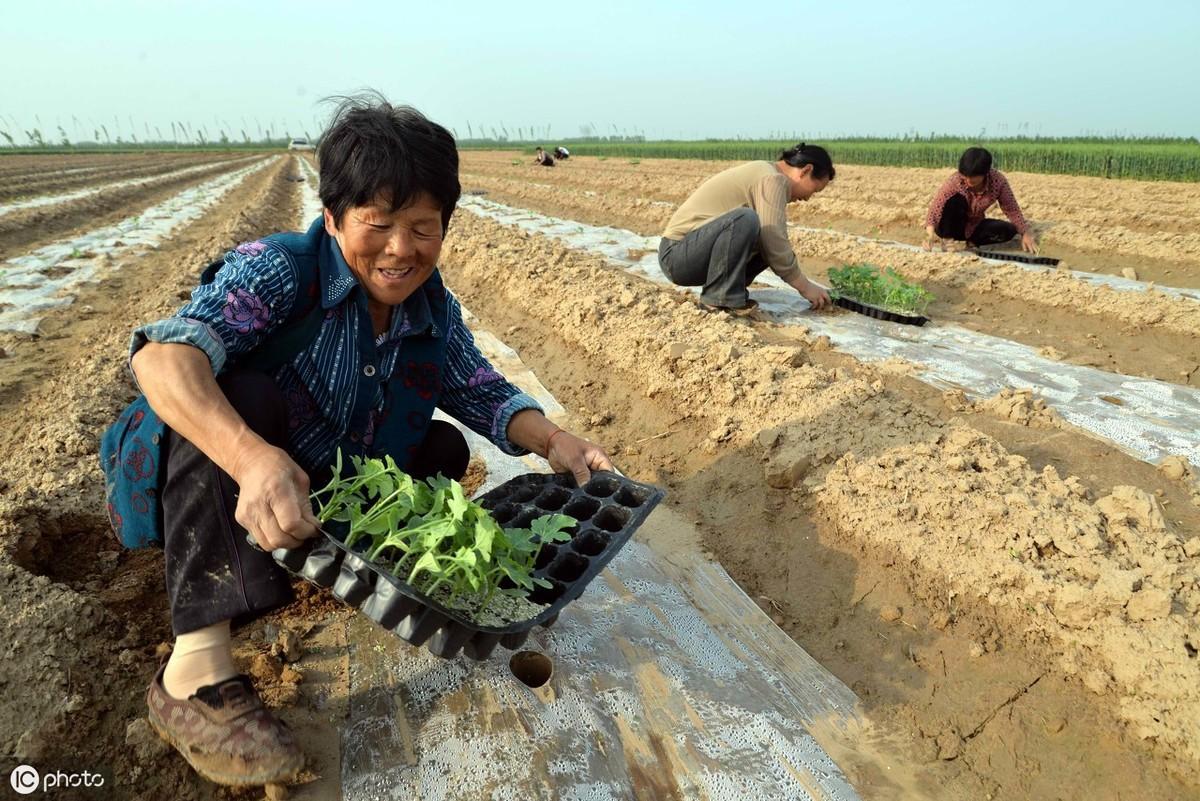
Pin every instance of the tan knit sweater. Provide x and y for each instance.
(758, 185)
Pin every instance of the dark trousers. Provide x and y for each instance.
(953, 225)
(721, 256)
(213, 573)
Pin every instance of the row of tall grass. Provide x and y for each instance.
(1157, 159)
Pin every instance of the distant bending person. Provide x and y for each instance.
(543, 158)
(958, 209)
(561, 153)
(734, 226)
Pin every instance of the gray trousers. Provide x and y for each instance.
(721, 256)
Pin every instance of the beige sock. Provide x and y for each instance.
(200, 657)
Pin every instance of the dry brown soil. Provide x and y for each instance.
(1016, 604)
(1144, 334)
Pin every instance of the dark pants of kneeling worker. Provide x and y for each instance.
(721, 256)
(213, 573)
(953, 225)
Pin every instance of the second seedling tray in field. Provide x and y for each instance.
(878, 313)
(608, 508)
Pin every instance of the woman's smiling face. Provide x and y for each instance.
(390, 252)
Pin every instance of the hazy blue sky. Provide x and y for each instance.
(685, 70)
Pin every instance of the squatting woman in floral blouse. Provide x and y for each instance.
(385, 346)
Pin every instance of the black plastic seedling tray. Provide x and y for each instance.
(1024, 258)
(878, 313)
(608, 508)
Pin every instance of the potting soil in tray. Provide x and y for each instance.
(1024, 258)
(878, 313)
(608, 508)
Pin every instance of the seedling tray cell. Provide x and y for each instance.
(878, 313)
(1024, 258)
(609, 509)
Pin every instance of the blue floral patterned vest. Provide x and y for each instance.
(130, 449)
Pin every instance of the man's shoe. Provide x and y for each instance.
(749, 310)
(225, 733)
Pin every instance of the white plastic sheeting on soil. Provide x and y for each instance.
(1149, 419)
(47, 278)
(1115, 282)
(310, 201)
(441, 730)
(52, 200)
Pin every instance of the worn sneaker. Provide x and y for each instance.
(225, 733)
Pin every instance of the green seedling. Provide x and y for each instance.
(431, 535)
(885, 289)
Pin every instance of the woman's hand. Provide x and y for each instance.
(1028, 243)
(568, 453)
(815, 294)
(273, 500)
(932, 240)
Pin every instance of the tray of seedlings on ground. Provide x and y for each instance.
(456, 575)
(1024, 258)
(883, 294)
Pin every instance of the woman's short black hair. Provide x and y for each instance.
(372, 148)
(975, 161)
(817, 156)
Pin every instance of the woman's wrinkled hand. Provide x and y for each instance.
(1028, 243)
(568, 453)
(273, 500)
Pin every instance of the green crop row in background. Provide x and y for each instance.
(1147, 159)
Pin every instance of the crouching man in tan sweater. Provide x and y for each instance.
(734, 226)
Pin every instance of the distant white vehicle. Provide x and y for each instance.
(300, 143)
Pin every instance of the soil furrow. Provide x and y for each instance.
(1143, 334)
(813, 475)
(31, 228)
(93, 614)
(34, 185)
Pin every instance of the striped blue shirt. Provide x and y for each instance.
(343, 370)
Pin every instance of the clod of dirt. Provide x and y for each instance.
(720, 433)
(1020, 406)
(976, 650)
(1175, 467)
(275, 792)
(290, 675)
(597, 420)
(767, 439)
(785, 470)
(677, 350)
(949, 745)
(264, 669)
(146, 744)
(287, 646)
(1130, 273)
(940, 620)
(1150, 603)
(890, 613)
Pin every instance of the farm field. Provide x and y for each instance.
(1008, 577)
